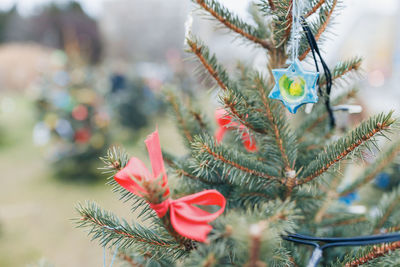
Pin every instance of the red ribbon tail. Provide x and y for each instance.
(191, 221)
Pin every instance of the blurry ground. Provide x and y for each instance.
(36, 210)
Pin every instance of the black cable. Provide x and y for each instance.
(315, 50)
(338, 242)
(344, 239)
(300, 241)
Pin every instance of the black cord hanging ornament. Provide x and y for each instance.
(328, 76)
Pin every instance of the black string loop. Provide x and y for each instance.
(315, 50)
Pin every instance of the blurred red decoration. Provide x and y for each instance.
(80, 113)
(225, 123)
(82, 135)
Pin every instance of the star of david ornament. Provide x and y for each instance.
(294, 86)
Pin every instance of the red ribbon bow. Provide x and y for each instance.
(187, 220)
(226, 123)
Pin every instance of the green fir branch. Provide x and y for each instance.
(388, 212)
(111, 231)
(233, 22)
(385, 255)
(285, 139)
(345, 146)
(239, 168)
(341, 70)
(314, 6)
(115, 160)
(318, 26)
(239, 107)
(385, 158)
(184, 169)
(281, 20)
(209, 62)
(190, 120)
(317, 121)
(134, 259)
(262, 26)
(233, 98)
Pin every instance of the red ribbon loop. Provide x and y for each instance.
(188, 220)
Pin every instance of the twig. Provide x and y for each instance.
(373, 174)
(263, 43)
(180, 118)
(271, 118)
(385, 216)
(377, 251)
(347, 151)
(125, 257)
(198, 52)
(236, 165)
(315, 8)
(321, 29)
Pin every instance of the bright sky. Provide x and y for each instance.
(26, 7)
(94, 7)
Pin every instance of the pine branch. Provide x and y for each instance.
(243, 107)
(128, 259)
(115, 160)
(277, 128)
(331, 195)
(108, 229)
(255, 245)
(282, 21)
(232, 97)
(376, 252)
(220, 157)
(232, 22)
(183, 169)
(341, 69)
(176, 107)
(315, 5)
(346, 145)
(134, 258)
(319, 116)
(374, 169)
(271, 4)
(387, 207)
(209, 63)
(199, 118)
(344, 221)
(320, 27)
(239, 169)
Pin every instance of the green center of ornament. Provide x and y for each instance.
(292, 88)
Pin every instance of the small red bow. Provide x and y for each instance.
(187, 220)
(226, 123)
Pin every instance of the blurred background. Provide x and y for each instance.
(77, 77)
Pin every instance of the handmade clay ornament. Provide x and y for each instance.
(294, 86)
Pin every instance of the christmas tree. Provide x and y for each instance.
(280, 174)
(73, 125)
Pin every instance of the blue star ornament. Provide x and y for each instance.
(294, 86)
